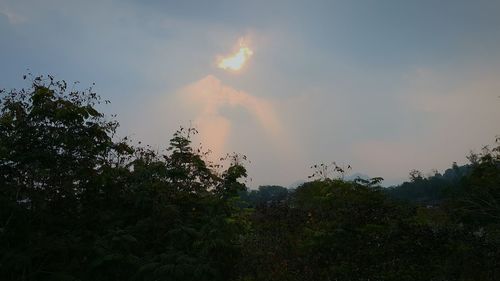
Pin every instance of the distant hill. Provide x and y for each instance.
(357, 176)
(296, 184)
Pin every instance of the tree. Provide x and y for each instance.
(55, 150)
(78, 204)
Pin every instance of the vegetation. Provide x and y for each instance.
(430, 190)
(78, 203)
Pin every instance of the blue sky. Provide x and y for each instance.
(386, 86)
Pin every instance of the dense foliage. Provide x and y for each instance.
(77, 203)
(431, 190)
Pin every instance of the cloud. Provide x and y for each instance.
(209, 97)
(228, 120)
(236, 60)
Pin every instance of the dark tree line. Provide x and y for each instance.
(78, 203)
(431, 190)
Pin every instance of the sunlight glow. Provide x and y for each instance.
(236, 60)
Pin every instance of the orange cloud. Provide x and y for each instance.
(209, 95)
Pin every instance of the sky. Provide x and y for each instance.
(383, 86)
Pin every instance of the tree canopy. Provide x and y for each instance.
(79, 203)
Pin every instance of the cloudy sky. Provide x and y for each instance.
(385, 86)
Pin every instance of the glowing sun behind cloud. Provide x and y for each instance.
(236, 60)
